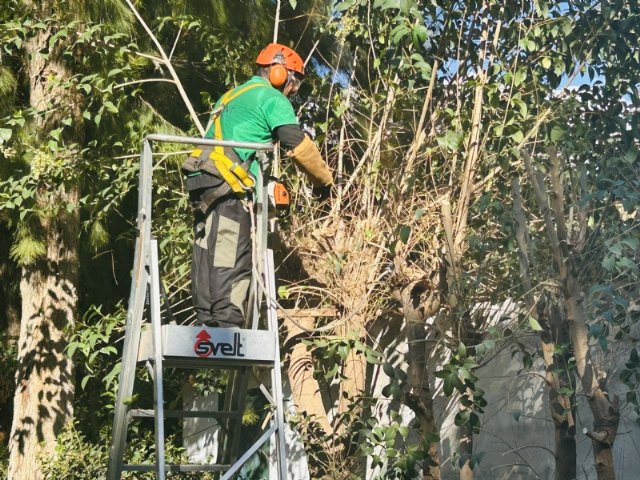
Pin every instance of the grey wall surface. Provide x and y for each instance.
(517, 436)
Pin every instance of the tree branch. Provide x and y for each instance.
(473, 145)
(175, 43)
(167, 63)
(600, 436)
(276, 23)
(420, 134)
(523, 242)
(543, 203)
(341, 141)
(557, 203)
(529, 446)
(148, 80)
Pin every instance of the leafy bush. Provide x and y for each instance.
(75, 458)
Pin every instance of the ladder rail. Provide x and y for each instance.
(158, 391)
(145, 279)
(260, 238)
(134, 316)
(247, 455)
(129, 360)
(278, 397)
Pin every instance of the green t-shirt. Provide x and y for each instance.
(254, 115)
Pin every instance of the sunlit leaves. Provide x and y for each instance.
(458, 376)
(451, 141)
(5, 135)
(556, 133)
(534, 324)
(27, 249)
(421, 65)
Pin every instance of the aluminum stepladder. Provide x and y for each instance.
(176, 346)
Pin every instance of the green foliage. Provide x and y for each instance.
(473, 460)
(27, 249)
(389, 448)
(8, 85)
(75, 457)
(343, 463)
(209, 381)
(458, 376)
(4, 460)
(91, 345)
(332, 352)
(8, 363)
(397, 381)
(630, 376)
(79, 459)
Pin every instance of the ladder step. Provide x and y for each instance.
(146, 467)
(150, 413)
(211, 363)
(207, 347)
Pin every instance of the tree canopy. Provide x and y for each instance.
(485, 206)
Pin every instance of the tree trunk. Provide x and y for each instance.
(43, 401)
(354, 370)
(44, 394)
(420, 397)
(606, 413)
(304, 388)
(561, 406)
(356, 279)
(9, 326)
(465, 432)
(465, 436)
(457, 320)
(418, 304)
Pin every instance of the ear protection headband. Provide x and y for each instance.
(278, 74)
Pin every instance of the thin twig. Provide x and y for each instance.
(522, 241)
(343, 132)
(165, 60)
(146, 55)
(146, 80)
(313, 49)
(276, 23)
(421, 135)
(529, 446)
(175, 43)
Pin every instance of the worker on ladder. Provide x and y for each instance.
(220, 180)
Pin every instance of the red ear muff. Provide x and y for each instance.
(278, 75)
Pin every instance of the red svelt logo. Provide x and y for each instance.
(203, 346)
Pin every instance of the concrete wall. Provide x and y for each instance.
(517, 435)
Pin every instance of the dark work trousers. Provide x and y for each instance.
(221, 263)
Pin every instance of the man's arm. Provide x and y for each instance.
(305, 153)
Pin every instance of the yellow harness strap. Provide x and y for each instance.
(232, 172)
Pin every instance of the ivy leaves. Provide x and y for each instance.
(458, 377)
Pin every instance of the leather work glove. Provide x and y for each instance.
(308, 158)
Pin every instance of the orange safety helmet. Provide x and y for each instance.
(281, 59)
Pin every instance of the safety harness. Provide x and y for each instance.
(221, 162)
